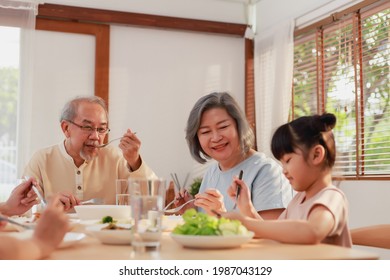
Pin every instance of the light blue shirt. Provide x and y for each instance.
(270, 189)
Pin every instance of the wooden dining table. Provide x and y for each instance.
(91, 248)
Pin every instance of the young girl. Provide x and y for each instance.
(318, 212)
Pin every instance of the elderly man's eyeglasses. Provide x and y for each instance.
(90, 129)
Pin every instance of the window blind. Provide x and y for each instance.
(343, 68)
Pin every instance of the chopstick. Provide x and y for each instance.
(178, 183)
(238, 189)
(186, 179)
(175, 182)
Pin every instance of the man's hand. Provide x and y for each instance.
(130, 145)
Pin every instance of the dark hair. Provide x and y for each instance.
(304, 133)
(217, 100)
(69, 112)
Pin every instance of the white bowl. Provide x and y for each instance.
(97, 212)
(114, 237)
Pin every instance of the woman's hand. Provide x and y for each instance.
(21, 199)
(182, 197)
(2, 224)
(211, 201)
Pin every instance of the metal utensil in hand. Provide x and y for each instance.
(177, 209)
(172, 202)
(238, 189)
(109, 142)
(8, 220)
(37, 192)
(92, 201)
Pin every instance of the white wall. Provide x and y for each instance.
(156, 76)
(63, 68)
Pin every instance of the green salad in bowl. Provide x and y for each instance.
(198, 223)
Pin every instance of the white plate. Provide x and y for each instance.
(70, 238)
(114, 237)
(29, 222)
(212, 241)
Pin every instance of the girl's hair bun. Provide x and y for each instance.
(329, 120)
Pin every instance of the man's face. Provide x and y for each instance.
(81, 131)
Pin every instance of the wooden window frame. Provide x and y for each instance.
(102, 47)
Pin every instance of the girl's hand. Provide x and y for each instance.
(244, 202)
(233, 216)
(211, 200)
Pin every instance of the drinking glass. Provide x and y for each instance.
(147, 203)
(122, 192)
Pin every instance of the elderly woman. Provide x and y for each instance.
(217, 129)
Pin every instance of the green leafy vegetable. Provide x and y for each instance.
(197, 223)
(107, 220)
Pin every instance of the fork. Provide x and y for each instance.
(177, 209)
(173, 201)
(92, 201)
(41, 198)
(169, 204)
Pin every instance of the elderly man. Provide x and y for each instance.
(77, 168)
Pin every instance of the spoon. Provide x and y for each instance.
(174, 210)
(109, 142)
(92, 201)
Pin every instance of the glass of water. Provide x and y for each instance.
(147, 203)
